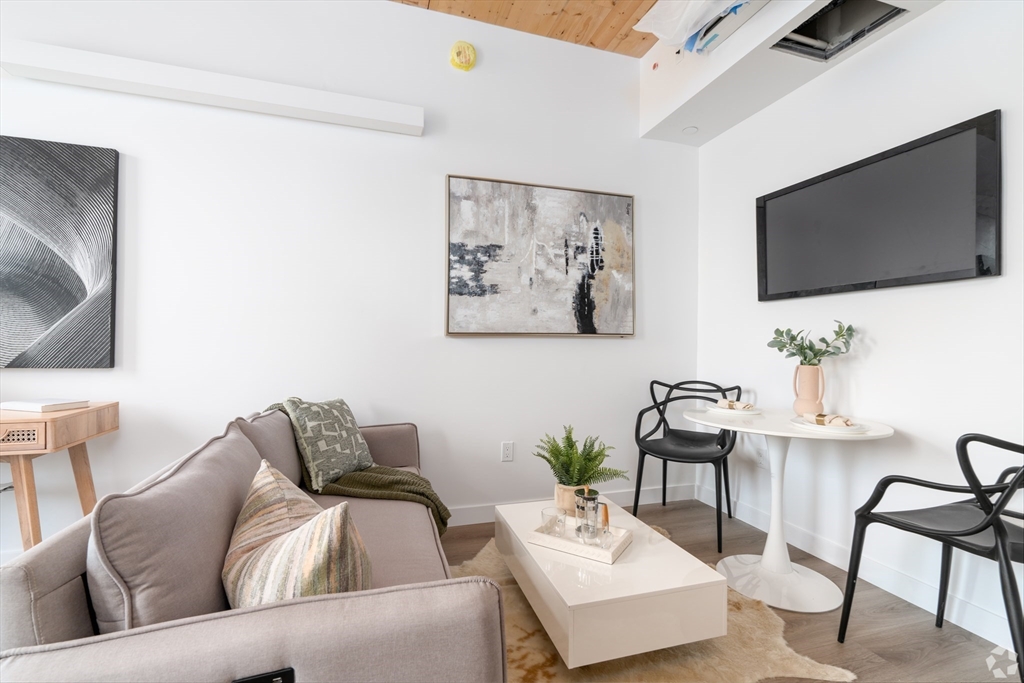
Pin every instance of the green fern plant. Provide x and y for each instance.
(573, 466)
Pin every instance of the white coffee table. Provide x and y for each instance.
(655, 595)
(770, 576)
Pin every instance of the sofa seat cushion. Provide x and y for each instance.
(156, 554)
(286, 546)
(400, 537)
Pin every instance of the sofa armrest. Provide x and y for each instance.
(42, 592)
(439, 631)
(393, 445)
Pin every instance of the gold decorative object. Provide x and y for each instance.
(463, 55)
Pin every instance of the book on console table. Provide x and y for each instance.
(44, 405)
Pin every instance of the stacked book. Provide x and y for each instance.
(44, 405)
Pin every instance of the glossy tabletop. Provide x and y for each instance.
(650, 565)
(780, 423)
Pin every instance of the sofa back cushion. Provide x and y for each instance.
(156, 554)
(271, 434)
(393, 445)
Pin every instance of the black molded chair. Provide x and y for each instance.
(680, 445)
(974, 525)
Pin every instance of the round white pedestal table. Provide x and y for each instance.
(770, 576)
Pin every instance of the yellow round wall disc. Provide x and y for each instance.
(463, 55)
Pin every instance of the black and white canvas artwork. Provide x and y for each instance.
(527, 259)
(57, 249)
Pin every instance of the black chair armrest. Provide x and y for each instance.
(885, 482)
(997, 509)
(660, 407)
(726, 439)
(972, 478)
(640, 419)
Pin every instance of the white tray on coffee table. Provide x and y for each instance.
(568, 542)
(655, 595)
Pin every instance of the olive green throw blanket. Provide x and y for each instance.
(393, 484)
(330, 428)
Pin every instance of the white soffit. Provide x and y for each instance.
(106, 72)
(743, 76)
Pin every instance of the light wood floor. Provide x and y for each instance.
(888, 639)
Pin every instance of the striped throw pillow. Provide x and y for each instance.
(285, 546)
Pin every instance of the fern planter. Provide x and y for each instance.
(574, 467)
(565, 497)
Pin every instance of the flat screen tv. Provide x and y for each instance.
(925, 211)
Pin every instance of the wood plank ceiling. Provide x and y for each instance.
(604, 24)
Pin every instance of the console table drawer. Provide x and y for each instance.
(26, 435)
(23, 436)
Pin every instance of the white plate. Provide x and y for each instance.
(855, 429)
(726, 411)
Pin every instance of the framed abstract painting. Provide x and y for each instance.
(533, 260)
(58, 217)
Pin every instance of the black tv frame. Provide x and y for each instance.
(987, 125)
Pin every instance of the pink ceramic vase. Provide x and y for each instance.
(809, 388)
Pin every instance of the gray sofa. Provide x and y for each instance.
(59, 621)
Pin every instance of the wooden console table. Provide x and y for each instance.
(27, 435)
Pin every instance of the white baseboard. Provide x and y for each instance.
(978, 620)
(482, 514)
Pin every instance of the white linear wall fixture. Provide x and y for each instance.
(138, 77)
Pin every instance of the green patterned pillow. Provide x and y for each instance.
(285, 546)
(328, 439)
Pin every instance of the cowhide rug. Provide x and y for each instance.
(754, 648)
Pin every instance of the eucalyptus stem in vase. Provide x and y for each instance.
(808, 377)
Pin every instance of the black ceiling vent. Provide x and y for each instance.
(837, 26)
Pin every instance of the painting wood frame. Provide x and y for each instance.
(580, 280)
(58, 254)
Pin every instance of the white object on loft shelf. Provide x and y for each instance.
(717, 32)
(745, 73)
(120, 74)
(44, 405)
(675, 22)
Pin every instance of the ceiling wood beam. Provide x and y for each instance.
(630, 42)
(602, 24)
(580, 19)
(614, 22)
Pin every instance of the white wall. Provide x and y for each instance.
(934, 361)
(264, 257)
(228, 220)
